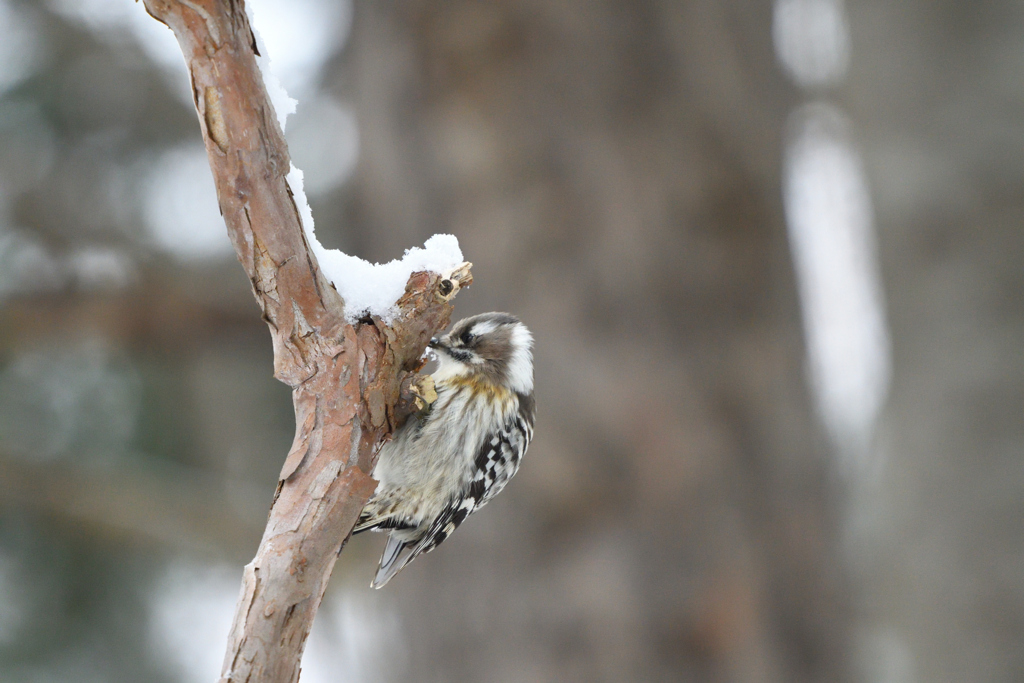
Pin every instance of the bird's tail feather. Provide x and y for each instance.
(396, 555)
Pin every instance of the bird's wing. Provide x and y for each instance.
(498, 460)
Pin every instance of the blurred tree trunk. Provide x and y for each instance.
(616, 168)
(940, 538)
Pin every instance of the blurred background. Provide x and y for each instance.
(771, 253)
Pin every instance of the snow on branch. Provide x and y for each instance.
(367, 288)
(373, 288)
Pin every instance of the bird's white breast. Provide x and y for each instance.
(429, 461)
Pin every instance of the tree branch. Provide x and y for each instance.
(346, 379)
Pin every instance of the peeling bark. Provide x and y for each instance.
(346, 379)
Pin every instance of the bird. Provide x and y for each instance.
(449, 460)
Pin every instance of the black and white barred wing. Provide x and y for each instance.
(496, 463)
(498, 459)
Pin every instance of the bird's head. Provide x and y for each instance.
(494, 345)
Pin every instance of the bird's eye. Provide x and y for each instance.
(466, 337)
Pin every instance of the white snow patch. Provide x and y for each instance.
(295, 183)
(302, 35)
(283, 104)
(373, 288)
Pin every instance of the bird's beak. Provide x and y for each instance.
(435, 343)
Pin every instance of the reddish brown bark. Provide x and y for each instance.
(346, 379)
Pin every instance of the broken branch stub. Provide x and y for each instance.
(346, 379)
